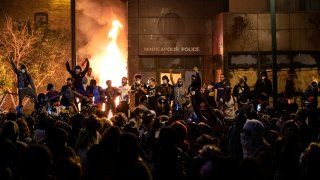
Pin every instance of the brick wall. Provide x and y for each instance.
(59, 14)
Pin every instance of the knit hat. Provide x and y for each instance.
(253, 128)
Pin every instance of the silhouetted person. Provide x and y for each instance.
(111, 93)
(168, 88)
(262, 89)
(287, 151)
(310, 159)
(220, 90)
(255, 147)
(24, 81)
(130, 164)
(169, 161)
(36, 163)
(102, 157)
(138, 88)
(77, 74)
(242, 92)
(154, 91)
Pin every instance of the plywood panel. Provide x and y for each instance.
(304, 39)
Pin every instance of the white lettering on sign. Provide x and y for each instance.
(190, 49)
(171, 49)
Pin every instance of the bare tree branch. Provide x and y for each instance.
(42, 50)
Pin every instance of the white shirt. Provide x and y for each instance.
(124, 90)
(229, 108)
(86, 81)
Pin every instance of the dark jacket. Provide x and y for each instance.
(24, 79)
(77, 78)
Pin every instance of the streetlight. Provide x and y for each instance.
(73, 34)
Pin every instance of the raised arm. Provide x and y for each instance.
(15, 69)
(87, 67)
(68, 68)
(215, 89)
(171, 77)
(198, 77)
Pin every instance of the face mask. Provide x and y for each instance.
(54, 114)
(23, 70)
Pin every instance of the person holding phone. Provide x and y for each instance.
(262, 89)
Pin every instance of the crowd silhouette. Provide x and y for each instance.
(172, 132)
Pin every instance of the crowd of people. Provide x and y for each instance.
(174, 131)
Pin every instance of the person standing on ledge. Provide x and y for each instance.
(24, 81)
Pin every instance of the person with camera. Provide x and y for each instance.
(138, 88)
(154, 91)
(168, 93)
(310, 96)
(262, 90)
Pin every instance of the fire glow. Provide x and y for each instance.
(111, 62)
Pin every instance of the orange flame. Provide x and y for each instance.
(111, 63)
